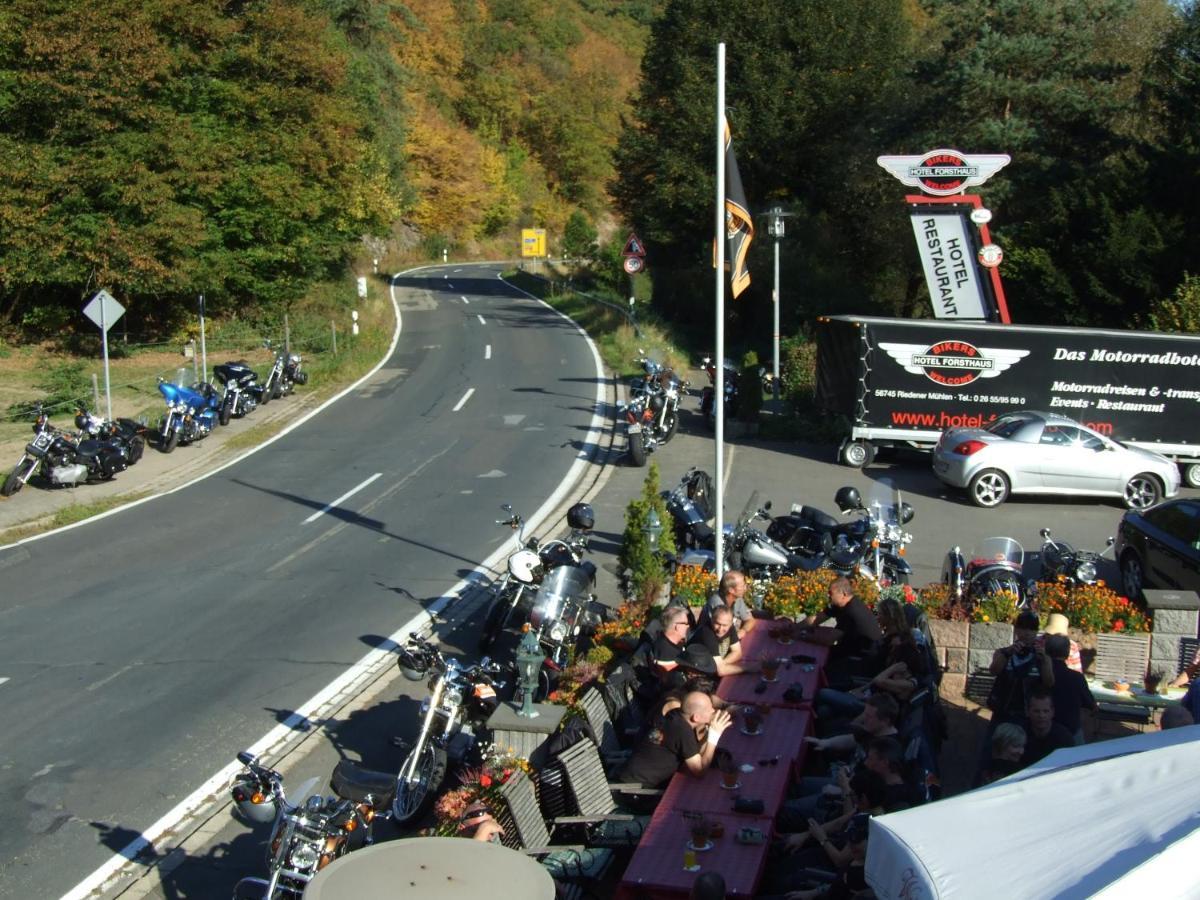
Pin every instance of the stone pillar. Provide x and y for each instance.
(951, 640)
(527, 737)
(1176, 618)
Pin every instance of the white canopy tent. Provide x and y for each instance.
(1115, 819)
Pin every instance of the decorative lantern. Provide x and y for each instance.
(652, 529)
(529, 667)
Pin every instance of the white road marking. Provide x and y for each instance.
(482, 320)
(362, 673)
(2, 680)
(466, 301)
(495, 473)
(103, 681)
(463, 402)
(450, 286)
(346, 496)
(487, 352)
(445, 276)
(514, 419)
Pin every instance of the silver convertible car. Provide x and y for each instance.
(1046, 453)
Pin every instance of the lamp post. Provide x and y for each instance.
(775, 228)
(529, 666)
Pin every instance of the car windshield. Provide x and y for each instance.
(998, 550)
(1007, 426)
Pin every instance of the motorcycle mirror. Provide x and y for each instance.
(767, 506)
(246, 758)
(507, 507)
(1110, 542)
(1045, 533)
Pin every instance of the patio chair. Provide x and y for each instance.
(526, 830)
(606, 823)
(1122, 657)
(603, 727)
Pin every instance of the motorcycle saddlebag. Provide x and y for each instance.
(300, 378)
(112, 461)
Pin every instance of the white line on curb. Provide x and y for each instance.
(366, 669)
(487, 352)
(346, 496)
(482, 320)
(2, 680)
(463, 402)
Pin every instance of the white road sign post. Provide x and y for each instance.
(104, 310)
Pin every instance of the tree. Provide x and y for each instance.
(579, 237)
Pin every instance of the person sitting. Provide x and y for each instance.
(1008, 746)
(1176, 716)
(1044, 735)
(885, 757)
(720, 638)
(854, 638)
(1188, 672)
(479, 824)
(687, 739)
(731, 594)
(1071, 693)
(670, 644)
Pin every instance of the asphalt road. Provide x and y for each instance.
(141, 652)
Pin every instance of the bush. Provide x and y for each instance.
(644, 565)
(1092, 608)
(998, 607)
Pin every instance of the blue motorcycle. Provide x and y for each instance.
(190, 416)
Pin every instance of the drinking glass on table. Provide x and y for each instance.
(770, 668)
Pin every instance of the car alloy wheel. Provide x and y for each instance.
(1142, 492)
(1133, 578)
(989, 488)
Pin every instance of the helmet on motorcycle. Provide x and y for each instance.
(81, 420)
(847, 498)
(581, 516)
(523, 566)
(252, 802)
(412, 663)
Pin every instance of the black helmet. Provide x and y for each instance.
(581, 516)
(847, 498)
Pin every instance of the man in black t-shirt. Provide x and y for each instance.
(668, 646)
(720, 638)
(1071, 693)
(856, 632)
(1019, 669)
(688, 737)
(1043, 735)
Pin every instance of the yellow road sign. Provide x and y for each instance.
(533, 241)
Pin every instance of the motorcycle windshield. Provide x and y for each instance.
(561, 584)
(750, 510)
(883, 502)
(993, 551)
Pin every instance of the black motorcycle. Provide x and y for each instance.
(1062, 562)
(126, 433)
(309, 831)
(239, 390)
(652, 413)
(62, 460)
(994, 566)
(708, 397)
(285, 374)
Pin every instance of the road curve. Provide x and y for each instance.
(138, 654)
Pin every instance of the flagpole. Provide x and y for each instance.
(719, 360)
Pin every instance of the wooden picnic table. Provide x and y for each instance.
(808, 677)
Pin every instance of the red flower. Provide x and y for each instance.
(1118, 625)
(485, 781)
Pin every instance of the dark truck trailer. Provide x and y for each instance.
(902, 382)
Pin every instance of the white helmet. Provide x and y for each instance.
(523, 564)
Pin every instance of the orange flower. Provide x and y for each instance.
(485, 780)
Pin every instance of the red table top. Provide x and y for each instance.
(656, 870)
(783, 732)
(759, 644)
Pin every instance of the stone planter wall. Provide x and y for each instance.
(952, 641)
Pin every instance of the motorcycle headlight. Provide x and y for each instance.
(1086, 572)
(303, 856)
(452, 697)
(558, 632)
(191, 410)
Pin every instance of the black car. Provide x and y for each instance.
(1160, 547)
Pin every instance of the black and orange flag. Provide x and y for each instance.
(739, 229)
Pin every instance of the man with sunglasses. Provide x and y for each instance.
(670, 644)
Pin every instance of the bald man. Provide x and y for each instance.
(687, 738)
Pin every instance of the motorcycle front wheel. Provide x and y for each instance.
(637, 449)
(226, 412)
(670, 426)
(413, 798)
(14, 482)
(171, 442)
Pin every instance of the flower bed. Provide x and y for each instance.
(479, 784)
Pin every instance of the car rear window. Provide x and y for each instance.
(1007, 426)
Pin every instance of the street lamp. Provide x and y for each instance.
(529, 667)
(775, 228)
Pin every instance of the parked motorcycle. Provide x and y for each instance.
(995, 565)
(190, 416)
(1062, 562)
(690, 504)
(239, 390)
(64, 461)
(872, 545)
(652, 413)
(127, 433)
(755, 553)
(285, 374)
(310, 831)
(708, 397)
(460, 699)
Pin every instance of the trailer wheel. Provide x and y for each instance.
(857, 454)
(989, 488)
(1191, 475)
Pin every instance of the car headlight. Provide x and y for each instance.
(303, 856)
(1086, 572)
(558, 632)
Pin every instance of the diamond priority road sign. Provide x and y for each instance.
(104, 310)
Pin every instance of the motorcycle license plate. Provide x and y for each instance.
(635, 427)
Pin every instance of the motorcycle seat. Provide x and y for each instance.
(815, 518)
(352, 782)
(703, 534)
(89, 447)
(801, 563)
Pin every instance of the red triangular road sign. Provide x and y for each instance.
(633, 246)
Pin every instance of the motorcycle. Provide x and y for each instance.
(708, 401)
(873, 545)
(309, 831)
(126, 433)
(690, 504)
(64, 461)
(759, 556)
(190, 416)
(460, 699)
(994, 566)
(285, 374)
(652, 413)
(239, 390)
(1062, 562)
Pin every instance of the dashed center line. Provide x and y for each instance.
(463, 402)
(346, 496)
(487, 352)
(466, 301)
(482, 320)
(2, 680)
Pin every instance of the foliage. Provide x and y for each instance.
(693, 585)
(623, 628)
(643, 562)
(574, 680)
(1181, 312)
(807, 593)
(750, 394)
(477, 784)
(935, 599)
(579, 237)
(1091, 608)
(61, 382)
(1000, 607)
